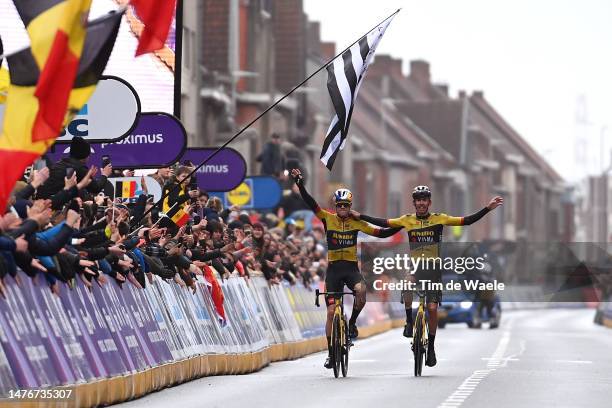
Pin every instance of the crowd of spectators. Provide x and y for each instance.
(62, 223)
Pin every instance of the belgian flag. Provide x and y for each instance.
(176, 218)
(57, 30)
(125, 189)
(178, 215)
(18, 145)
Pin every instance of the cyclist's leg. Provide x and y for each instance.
(407, 299)
(333, 283)
(354, 280)
(434, 297)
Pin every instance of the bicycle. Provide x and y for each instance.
(341, 343)
(420, 334)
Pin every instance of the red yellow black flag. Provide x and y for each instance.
(18, 145)
(57, 33)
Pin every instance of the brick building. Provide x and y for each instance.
(405, 129)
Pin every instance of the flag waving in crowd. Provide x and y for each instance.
(57, 31)
(19, 146)
(345, 74)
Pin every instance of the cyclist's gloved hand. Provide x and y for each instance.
(296, 174)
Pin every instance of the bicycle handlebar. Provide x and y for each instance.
(319, 293)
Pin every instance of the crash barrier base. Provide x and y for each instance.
(128, 387)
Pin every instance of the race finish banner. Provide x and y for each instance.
(129, 188)
(224, 172)
(255, 193)
(158, 140)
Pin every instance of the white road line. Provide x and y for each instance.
(497, 360)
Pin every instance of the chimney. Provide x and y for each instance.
(386, 65)
(442, 88)
(419, 73)
(478, 94)
(314, 36)
(328, 50)
(461, 94)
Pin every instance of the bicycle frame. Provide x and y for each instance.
(422, 316)
(420, 335)
(340, 342)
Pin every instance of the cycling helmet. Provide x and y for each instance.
(343, 195)
(421, 192)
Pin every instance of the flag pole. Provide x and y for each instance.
(170, 191)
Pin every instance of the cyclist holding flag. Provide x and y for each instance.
(341, 231)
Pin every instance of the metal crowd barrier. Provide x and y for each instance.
(115, 342)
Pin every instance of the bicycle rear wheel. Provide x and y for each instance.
(344, 360)
(336, 345)
(417, 345)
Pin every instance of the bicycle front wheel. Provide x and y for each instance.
(336, 345)
(344, 360)
(417, 345)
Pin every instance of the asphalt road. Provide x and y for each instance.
(545, 358)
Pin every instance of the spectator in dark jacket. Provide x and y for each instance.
(271, 158)
(79, 152)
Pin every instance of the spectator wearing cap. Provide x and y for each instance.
(271, 158)
(77, 160)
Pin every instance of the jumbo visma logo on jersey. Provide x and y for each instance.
(341, 239)
(426, 241)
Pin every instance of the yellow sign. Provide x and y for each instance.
(241, 195)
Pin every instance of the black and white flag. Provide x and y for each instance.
(344, 76)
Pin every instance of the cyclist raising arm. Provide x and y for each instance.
(425, 234)
(341, 231)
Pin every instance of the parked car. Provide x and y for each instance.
(469, 307)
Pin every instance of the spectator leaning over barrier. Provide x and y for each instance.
(75, 236)
(75, 164)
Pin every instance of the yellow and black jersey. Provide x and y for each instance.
(342, 235)
(425, 233)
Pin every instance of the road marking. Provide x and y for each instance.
(494, 362)
(574, 361)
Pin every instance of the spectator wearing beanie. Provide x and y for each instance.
(77, 160)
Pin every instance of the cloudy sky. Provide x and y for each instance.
(545, 65)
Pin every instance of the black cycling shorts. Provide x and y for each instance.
(433, 276)
(340, 273)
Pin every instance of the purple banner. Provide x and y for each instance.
(99, 331)
(158, 140)
(135, 321)
(64, 342)
(224, 172)
(152, 332)
(19, 341)
(108, 311)
(82, 329)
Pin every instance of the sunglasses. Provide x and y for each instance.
(343, 205)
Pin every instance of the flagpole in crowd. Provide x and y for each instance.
(177, 186)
